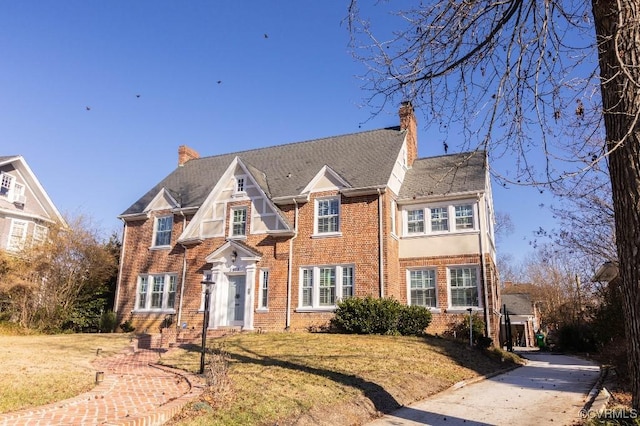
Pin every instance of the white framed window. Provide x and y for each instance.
(240, 184)
(415, 221)
(17, 235)
(263, 302)
(422, 287)
(162, 232)
(238, 222)
(439, 219)
(40, 234)
(464, 216)
(463, 286)
(156, 292)
(327, 220)
(321, 287)
(6, 183)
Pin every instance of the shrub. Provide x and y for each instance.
(413, 320)
(127, 327)
(379, 316)
(108, 322)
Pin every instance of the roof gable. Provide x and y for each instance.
(209, 221)
(325, 180)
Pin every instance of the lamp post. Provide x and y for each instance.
(205, 321)
(470, 328)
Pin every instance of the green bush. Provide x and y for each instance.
(413, 320)
(379, 316)
(127, 327)
(108, 322)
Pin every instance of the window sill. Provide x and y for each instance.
(160, 247)
(154, 311)
(262, 310)
(440, 233)
(237, 237)
(316, 309)
(327, 235)
(463, 310)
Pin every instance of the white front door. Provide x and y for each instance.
(235, 301)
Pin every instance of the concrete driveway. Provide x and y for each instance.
(550, 389)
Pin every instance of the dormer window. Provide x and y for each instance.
(163, 229)
(6, 182)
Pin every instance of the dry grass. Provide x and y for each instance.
(40, 369)
(305, 378)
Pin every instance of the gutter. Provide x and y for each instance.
(380, 246)
(290, 268)
(119, 281)
(483, 269)
(184, 271)
(437, 197)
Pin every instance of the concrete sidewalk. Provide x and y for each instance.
(135, 391)
(550, 389)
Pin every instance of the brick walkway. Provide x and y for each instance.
(135, 391)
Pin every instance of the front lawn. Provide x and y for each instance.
(325, 378)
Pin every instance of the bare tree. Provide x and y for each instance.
(56, 284)
(542, 81)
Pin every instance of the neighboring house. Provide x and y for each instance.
(286, 232)
(523, 317)
(26, 211)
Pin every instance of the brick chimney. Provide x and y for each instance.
(185, 154)
(409, 124)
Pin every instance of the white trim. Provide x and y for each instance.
(315, 286)
(149, 293)
(330, 173)
(435, 284)
(154, 237)
(337, 233)
(451, 218)
(22, 239)
(480, 305)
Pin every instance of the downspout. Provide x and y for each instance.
(290, 267)
(380, 245)
(119, 281)
(483, 269)
(184, 272)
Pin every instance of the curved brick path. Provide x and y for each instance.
(135, 391)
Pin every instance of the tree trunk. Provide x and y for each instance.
(618, 36)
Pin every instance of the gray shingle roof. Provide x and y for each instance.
(362, 159)
(445, 174)
(518, 304)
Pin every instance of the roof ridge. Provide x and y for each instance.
(237, 153)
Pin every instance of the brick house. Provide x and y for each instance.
(285, 232)
(26, 211)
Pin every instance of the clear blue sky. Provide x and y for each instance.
(219, 76)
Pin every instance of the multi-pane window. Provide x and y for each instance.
(393, 208)
(143, 287)
(240, 185)
(264, 289)
(17, 235)
(39, 234)
(347, 282)
(463, 284)
(328, 215)
(307, 287)
(238, 222)
(415, 221)
(422, 284)
(164, 226)
(5, 183)
(327, 286)
(322, 285)
(156, 291)
(464, 216)
(439, 219)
